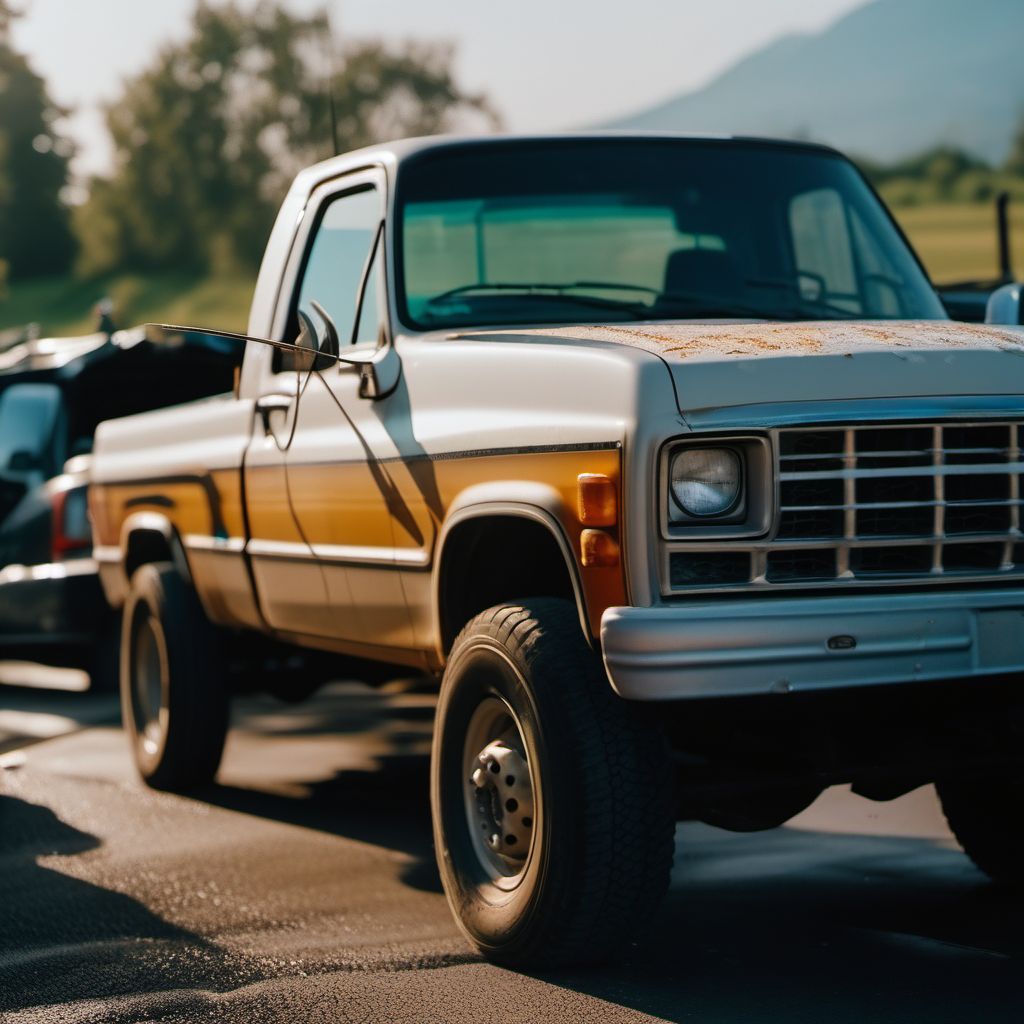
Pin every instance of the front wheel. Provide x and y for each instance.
(551, 797)
(174, 698)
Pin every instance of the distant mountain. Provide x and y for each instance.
(890, 79)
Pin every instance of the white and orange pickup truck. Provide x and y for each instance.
(659, 454)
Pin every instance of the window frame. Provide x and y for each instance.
(320, 198)
(398, 304)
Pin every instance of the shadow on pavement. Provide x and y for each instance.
(32, 714)
(782, 926)
(388, 806)
(797, 926)
(63, 939)
(789, 926)
(383, 801)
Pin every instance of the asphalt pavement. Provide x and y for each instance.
(302, 887)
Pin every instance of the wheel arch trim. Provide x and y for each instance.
(536, 502)
(113, 561)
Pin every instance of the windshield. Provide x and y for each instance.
(571, 231)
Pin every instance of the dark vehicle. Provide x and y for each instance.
(53, 393)
(994, 301)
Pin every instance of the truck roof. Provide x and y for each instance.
(391, 154)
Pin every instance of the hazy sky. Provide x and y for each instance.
(546, 64)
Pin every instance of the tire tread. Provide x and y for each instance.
(628, 819)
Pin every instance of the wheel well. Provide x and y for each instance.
(146, 546)
(490, 560)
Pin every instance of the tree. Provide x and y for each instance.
(207, 140)
(1015, 161)
(35, 233)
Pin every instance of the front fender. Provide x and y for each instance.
(522, 499)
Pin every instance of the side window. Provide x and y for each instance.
(824, 254)
(883, 285)
(335, 264)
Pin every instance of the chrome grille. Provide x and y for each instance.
(876, 504)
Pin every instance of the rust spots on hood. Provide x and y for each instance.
(746, 340)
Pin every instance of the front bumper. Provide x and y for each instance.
(49, 607)
(745, 647)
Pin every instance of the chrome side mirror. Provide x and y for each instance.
(1006, 305)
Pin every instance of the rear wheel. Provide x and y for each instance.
(174, 699)
(986, 817)
(551, 797)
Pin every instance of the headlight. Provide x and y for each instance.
(706, 481)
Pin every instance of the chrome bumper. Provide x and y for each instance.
(758, 646)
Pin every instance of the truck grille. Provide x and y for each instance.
(877, 504)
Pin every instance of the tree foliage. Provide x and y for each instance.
(948, 175)
(1015, 160)
(35, 232)
(208, 138)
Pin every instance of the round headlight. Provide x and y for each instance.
(706, 481)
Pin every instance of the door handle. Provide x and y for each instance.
(266, 405)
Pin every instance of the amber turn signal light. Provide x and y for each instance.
(598, 549)
(596, 504)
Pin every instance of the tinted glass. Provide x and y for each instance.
(636, 229)
(337, 257)
(371, 313)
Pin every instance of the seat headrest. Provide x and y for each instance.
(703, 272)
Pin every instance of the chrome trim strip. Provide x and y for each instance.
(411, 557)
(831, 543)
(107, 553)
(48, 571)
(340, 553)
(220, 545)
(937, 470)
(278, 549)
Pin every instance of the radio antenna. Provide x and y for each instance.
(331, 68)
(334, 118)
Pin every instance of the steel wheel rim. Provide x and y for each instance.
(499, 792)
(149, 678)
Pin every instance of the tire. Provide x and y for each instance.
(174, 698)
(574, 880)
(985, 816)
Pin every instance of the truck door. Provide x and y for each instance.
(338, 454)
(290, 586)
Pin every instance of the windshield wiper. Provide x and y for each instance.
(541, 286)
(560, 292)
(692, 305)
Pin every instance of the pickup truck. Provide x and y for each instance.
(659, 454)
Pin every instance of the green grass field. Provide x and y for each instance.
(956, 241)
(64, 305)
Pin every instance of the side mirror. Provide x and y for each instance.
(1006, 305)
(324, 351)
(330, 346)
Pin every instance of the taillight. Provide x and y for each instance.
(71, 530)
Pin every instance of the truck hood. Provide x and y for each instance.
(724, 365)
